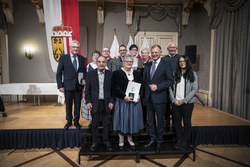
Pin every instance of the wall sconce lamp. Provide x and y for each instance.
(100, 12)
(28, 52)
(129, 12)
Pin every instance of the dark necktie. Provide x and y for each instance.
(75, 63)
(153, 70)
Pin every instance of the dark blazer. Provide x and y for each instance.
(173, 61)
(65, 68)
(120, 82)
(163, 78)
(92, 89)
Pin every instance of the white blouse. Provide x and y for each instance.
(180, 89)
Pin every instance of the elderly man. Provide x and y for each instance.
(157, 78)
(100, 101)
(70, 77)
(173, 58)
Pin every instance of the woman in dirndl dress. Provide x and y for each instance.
(127, 118)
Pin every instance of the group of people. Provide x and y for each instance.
(166, 82)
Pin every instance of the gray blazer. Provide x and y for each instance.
(190, 91)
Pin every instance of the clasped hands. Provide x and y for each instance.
(179, 102)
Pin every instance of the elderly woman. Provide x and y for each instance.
(182, 95)
(85, 111)
(91, 66)
(145, 59)
(145, 56)
(127, 118)
(137, 62)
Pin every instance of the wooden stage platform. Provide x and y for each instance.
(29, 126)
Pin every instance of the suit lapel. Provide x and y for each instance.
(149, 69)
(79, 61)
(158, 69)
(96, 80)
(105, 81)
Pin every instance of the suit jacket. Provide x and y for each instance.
(92, 89)
(163, 79)
(65, 68)
(190, 91)
(173, 61)
(120, 82)
(117, 64)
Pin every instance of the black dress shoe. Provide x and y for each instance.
(77, 125)
(178, 145)
(121, 148)
(150, 144)
(132, 147)
(108, 146)
(93, 147)
(183, 146)
(5, 114)
(67, 125)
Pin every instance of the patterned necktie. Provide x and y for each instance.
(75, 63)
(153, 70)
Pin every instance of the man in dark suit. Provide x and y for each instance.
(70, 77)
(157, 77)
(100, 101)
(173, 58)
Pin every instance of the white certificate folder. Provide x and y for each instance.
(80, 77)
(133, 90)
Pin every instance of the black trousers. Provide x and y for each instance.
(70, 97)
(168, 113)
(103, 116)
(156, 131)
(2, 109)
(183, 112)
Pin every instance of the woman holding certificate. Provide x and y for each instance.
(127, 118)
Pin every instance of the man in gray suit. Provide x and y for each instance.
(157, 78)
(110, 61)
(117, 64)
(100, 101)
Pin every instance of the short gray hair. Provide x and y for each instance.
(172, 43)
(156, 46)
(145, 49)
(127, 56)
(74, 41)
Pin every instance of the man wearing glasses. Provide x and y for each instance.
(110, 61)
(70, 78)
(157, 78)
(117, 65)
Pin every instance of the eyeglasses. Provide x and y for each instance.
(134, 50)
(105, 51)
(184, 61)
(128, 61)
(75, 47)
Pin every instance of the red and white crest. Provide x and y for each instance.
(61, 38)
